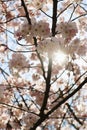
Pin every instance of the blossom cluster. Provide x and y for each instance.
(48, 45)
(18, 61)
(38, 95)
(29, 119)
(23, 30)
(65, 41)
(52, 45)
(40, 28)
(38, 4)
(2, 90)
(24, 93)
(67, 29)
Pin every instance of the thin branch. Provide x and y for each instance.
(68, 117)
(73, 11)
(64, 10)
(9, 105)
(11, 19)
(84, 4)
(3, 71)
(21, 51)
(41, 61)
(79, 17)
(76, 81)
(45, 13)
(6, 29)
(23, 98)
(84, 59)
(57, 77)
(23, 44)
(83, 8)
(74, 115)
(62, 120)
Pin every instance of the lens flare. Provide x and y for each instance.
(60, 57)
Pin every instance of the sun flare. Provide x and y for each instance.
(59, 57)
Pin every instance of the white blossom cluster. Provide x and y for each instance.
(38, 4)
(62, 42)
(40, 28)
(30, 119)
(18, 62)
(49, 45)
(67, 29)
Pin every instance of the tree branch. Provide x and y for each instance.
(46, 95)
(67, 97)
(26, 11)
(54, 17)
(75, 117)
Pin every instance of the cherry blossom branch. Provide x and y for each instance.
(35, 40)
(22, 98)
(41, 61)
(24, 101)
(11, 106)
(74, 115)
(62, 120)
(46, 94)
(73, 11)
(83, 8)
(64, 10)
(16, 100)
(6, 47)
(45, 13)
(14, 18)
(67, 97)
(69, 117)
(79, 17)
(54, 17)
(57, 77)
(21, 51)
(60, 96)
(76, 81)
(6, 29)
(45, 116)
(6, 80)
(23, 44)
(84, 4)
(8, 105)
(26, 11)
(72, 124)
(83, 59)
(3, 71)
(42, 66)
(35, 105)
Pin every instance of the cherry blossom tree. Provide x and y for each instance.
(43, 65)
